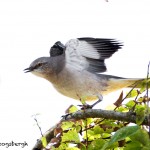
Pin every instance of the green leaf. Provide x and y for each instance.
(133, 93)
(140, 117)
(141, 136)
(44, 141)
(98, 130)
(72, 148)
(96, 144)
(133, 146)
(106, 135)
(90, 135)
(71, 136)
(122, 109)
(118, 148)
(121, 134)
(62, 146)
(78, 128)
(67, 125)
(83, 100)
(93, 133)
(140, 99)
(130, 104)
(88, 121)
(140, 113)
(73, 109)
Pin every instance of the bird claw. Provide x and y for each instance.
(87, 106)
(64, 117)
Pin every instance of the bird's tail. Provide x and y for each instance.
(139, 83)
(116, 83)
(125, 83)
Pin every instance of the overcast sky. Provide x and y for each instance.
(28, 28)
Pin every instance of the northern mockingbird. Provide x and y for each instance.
(75, 69)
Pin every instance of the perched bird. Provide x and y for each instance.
(75, 69)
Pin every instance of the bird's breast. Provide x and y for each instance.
(79, 85)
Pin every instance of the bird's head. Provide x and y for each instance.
(41, 67)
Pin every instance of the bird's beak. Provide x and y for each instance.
(30, 69)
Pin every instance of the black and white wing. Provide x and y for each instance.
(90, 53)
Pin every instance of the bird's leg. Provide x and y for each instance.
(100, 98)
(84, 104)
(87, 106)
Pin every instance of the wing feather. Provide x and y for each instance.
(90, 53)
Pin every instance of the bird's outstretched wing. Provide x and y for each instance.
(57, 49)
(90, 53)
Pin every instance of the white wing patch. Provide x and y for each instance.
(76, 51)
(88, 50)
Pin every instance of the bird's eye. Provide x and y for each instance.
(38, 65)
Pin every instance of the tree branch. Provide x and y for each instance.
(107, 114)
(91, 113)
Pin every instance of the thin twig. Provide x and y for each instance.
(131, 90)
(135, 100)
(86, 134)
(128, 93)
(38, 124)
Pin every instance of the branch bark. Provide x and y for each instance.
(107, 114)
(91, 113)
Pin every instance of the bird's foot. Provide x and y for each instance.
(64, 117)
(98, 101)
(87, 106)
